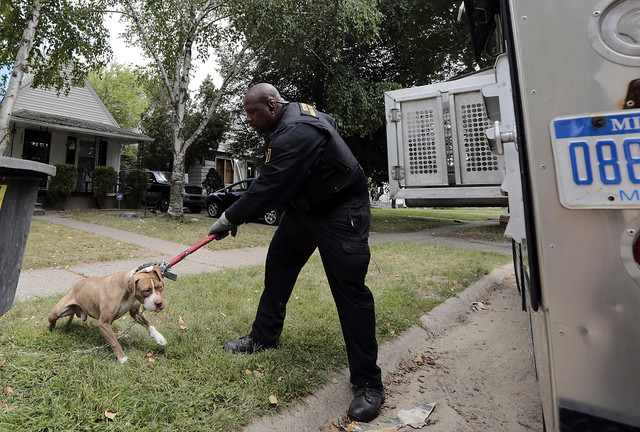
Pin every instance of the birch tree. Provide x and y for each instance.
(58, 41)
(173, 33)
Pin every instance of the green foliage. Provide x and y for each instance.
(105, 180)
(137, 183)
(213, 181)
(121, 91)
(417, 42)
(61, 185)
(129, 157)
(157, 123)
(70, 40)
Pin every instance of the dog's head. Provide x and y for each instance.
(146, 285)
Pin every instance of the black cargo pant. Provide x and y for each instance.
(341, 236)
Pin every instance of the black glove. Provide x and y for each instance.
(222, 227)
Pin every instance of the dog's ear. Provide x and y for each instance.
(131, 283)
(157, 271)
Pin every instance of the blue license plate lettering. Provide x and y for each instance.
(598, 166)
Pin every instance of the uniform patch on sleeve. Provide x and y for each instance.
(268, 158)
(308, 110)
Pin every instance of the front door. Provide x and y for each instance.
(86, 165)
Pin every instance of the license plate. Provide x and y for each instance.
(597, 159)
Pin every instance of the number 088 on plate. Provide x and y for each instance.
(597, 159)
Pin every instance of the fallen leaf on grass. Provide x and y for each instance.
(223, 315)
(335, 381)
(258, 373)
(8, 390)
(181, 323)
(110, 415)
(273, 400)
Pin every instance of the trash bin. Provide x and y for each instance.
(19, 182)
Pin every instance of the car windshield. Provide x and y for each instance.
(163, 176)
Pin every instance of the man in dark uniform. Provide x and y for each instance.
(310, 171)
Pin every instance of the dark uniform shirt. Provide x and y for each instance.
(303, 170)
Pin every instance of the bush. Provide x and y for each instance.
(137, 184)
(105, 180)
(213, 181)
(60, 186)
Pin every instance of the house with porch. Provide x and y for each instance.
(230, 168)
(74, 128)
(77, 128)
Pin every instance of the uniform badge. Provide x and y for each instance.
(308, 110)
(268, 156)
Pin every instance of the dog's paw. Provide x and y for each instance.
(122, 359)
(155, 334)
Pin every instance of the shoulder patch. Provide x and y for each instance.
(268, 158)
(308, 110)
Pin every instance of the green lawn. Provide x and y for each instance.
(51, 245)
(192, 384)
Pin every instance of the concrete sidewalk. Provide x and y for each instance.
(48, 282)
(331, 401)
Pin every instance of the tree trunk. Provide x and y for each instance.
(177, 186)
(9, 101)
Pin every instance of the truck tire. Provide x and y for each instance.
(163, 204)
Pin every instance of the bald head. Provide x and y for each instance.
(261, 107)
(263, 92)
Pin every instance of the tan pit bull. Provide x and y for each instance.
(108, 298)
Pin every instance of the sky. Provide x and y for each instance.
(133, 55)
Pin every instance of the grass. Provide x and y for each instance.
(187, 231)
(416, 219)
(455, 213)
(494, 233)
(51, 245)
(191, 384)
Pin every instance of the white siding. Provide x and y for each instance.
(81, 103)
(17, 142)
(58, 147)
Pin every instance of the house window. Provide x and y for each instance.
(225, 169)
(36, 146)
(251, 170)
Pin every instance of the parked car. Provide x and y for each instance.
(193, 196)
(220, 200)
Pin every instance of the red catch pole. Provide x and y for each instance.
(192, 249)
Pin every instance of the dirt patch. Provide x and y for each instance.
(479, 373)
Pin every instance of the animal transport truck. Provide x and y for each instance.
(553, 127)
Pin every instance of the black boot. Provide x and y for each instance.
(245, 345)
(366, 403)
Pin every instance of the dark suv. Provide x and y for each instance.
(220, 200)
(160, 188)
